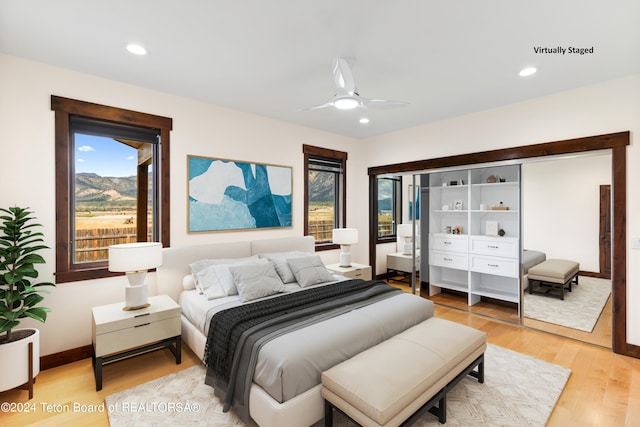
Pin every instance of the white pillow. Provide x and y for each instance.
(256, 280)
(188, 282)
(208, 284)
(279, 260)
(310, 270)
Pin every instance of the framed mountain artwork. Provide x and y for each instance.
(226, 195)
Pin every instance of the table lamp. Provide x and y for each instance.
(405, 231)
(135, 259)
(345, 237)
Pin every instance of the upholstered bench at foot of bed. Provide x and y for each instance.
(553, 275)
(397, 380)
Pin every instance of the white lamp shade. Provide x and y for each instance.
(345, 236)
(405, 230)
(138, 256)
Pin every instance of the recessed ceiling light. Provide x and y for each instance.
(364, 120)
(136, 49)
(527, 71)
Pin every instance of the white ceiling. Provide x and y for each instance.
(274, 58)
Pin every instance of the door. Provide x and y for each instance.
(605, 231)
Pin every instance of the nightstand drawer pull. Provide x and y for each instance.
(144, 324)
(140, 315)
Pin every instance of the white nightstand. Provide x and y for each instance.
(401, 263)
(118, 334)
(356, 271)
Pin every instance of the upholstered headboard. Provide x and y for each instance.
(176, 260)
(303, 244)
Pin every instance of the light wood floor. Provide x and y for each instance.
(603, 390)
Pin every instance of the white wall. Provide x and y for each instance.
(28, 172)
(561, 207)
(27, 133)
(607, 107)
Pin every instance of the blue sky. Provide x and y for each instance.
(104, 156)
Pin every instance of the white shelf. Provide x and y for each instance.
(454, 286)
(496, 184)
(495, 294)
(473, 271)
(491, 211)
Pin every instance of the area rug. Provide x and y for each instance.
(580, 308)
(519, 390)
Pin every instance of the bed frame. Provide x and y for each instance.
(304, 409)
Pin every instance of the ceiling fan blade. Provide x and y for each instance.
(382, 103)
(343, 77)
(317, 107)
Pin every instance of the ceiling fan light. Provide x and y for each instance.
(136, 49)
(346, 103)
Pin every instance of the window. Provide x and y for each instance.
(112, 184)
(389, 206)
(325, 195)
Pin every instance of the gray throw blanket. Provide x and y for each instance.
(236, 334)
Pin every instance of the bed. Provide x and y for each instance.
(279, 394)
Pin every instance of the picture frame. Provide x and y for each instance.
(458, 205)
(227, 195)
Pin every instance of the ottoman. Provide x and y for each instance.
(552, 277)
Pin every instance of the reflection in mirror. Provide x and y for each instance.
(565, 215)
(566, 212)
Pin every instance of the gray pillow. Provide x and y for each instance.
(256, 280)
(279, 260)
(310, 270)
(215, 272)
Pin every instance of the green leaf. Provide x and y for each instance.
(5, 325)
(33, 299)
(38, 313)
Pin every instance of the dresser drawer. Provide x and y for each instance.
(449, 242)
(499, 266)
(502, 247)
(139, 335)
(449, 259)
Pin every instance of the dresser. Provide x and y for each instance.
(119, 334)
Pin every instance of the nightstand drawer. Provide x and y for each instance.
(360, 273)
(139, 335)
(355, 271)
(111, 318)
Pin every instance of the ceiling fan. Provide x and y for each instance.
(347, 96)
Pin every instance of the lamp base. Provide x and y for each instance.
(345, 260)
(135, 297)
(136, 308)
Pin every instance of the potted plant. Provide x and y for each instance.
(19, 297)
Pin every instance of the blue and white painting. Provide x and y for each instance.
(233, 195)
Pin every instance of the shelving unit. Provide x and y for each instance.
(474, 232)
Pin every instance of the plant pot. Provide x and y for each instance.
(14, 362)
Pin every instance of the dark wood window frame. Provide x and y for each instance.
(64, 108)
(616, 142)
(310, 151)
(397, 207)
